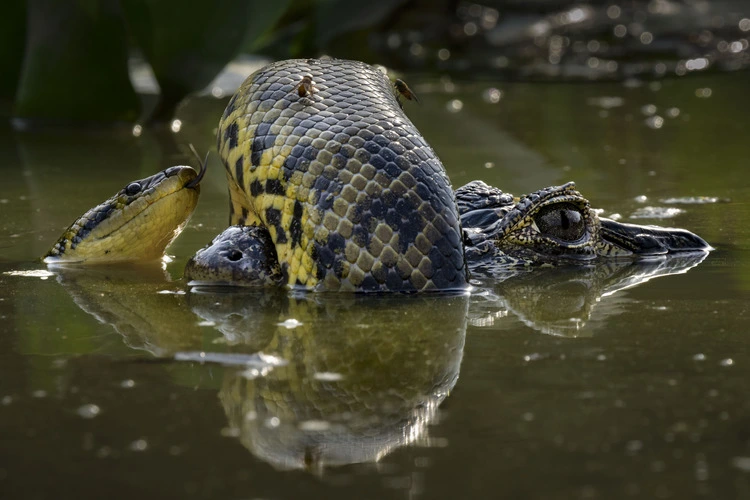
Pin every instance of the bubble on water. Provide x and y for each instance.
(233, 432)
(634, 446)
(615, 216)
(454, 105)
(726, 362)
(488, 164)
(290, 324)
(273, 422)
(606, 102)
(328, 376)
(641, 198)
(88, 411)
(492, 95)
(697, 64)
(654, 122)
(656, 213)
(742, 463)
(139, 445)
(314, 425)
(613, 12)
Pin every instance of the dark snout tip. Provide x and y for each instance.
(652, 240)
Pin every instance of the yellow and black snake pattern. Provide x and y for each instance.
(319, 152)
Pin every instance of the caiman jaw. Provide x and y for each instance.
(619, 237)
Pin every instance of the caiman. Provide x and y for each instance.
(332, 188)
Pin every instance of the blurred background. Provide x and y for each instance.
(97, 61)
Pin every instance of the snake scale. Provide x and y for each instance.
(353, 196)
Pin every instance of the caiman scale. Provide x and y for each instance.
(332, 188)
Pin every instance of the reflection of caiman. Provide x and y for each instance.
(333, 188)
(359, 376)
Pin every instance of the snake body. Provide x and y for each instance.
(353, 196)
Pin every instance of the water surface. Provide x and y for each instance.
(609, 382)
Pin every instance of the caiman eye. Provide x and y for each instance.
(133, 189)
(562, 221)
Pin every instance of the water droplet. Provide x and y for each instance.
(176, 125)
(290, 324)
(454, 105)
(39, 393)
(314, 425)
(654, 122)
(726, 362)
(744, 24)
(699, 357)
(139, 445)
(127, 384)
(328, 376)
(137, 130)
(444, 54)
(230, 432)
(89, 411)
(641, 198)
(492, 95)
(6, 400)
(488, 164)
(273, 422)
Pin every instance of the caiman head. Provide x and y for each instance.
(556, 225)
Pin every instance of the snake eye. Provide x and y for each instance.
(133, 189)
(563, 221)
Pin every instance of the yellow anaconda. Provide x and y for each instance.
(319, 152)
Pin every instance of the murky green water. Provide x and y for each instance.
(612, 382)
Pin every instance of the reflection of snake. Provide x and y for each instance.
(337, 190)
